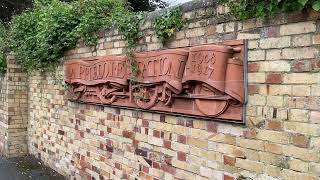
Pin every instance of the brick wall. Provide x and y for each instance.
(3, 113)
(13, 111)
(281, 139)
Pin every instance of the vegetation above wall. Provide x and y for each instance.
(40, 36)
(245, 9)
(168, 23)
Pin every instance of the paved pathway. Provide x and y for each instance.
(26, 168)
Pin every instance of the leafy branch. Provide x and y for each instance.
(245, 9)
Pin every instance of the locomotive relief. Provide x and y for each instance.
(205, 80)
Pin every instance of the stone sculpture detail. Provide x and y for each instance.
(205, 80)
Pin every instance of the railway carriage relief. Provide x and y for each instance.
(206, 80)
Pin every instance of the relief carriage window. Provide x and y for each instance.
(205, 80)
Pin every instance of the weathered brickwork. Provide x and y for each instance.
(281, 139)
(13, 111)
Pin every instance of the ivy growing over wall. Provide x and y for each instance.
(168, 23)
(40, 36)
(245, 9)
(3, 44)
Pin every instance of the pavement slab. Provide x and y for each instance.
(26, 168)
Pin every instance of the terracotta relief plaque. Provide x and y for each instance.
(205, 81)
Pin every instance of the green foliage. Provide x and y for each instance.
(168, 23)
(3, 45)
(245, 9)
(41, 36)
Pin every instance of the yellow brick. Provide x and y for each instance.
(301, 90)
(273, 148)
(301, 40)
(315, 117)
(302, 128)
(315, 142)
(299, 115)
(256, 77)
(272, 171)
(195, 32)
(298, 165)
(249, 36)
(315, 168)
(273, 54)
(269, 158)
(252, 44)
(275, 66)
(301, 153)
(230, 150)
(275, 101)
(230, 27)
(301, 78)
(273, 136)
(198, 133)
(299, 53)
(222, 138)
(293, 175)
(256, 55)
(280, 90)
(198, 143)
(316, 39)
(298, 28)
(279, 42)
(154, 46)
(315, 90)
(180, 43)
(251, 144)
(249, 165)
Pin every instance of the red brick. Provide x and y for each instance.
(145, 123)
(212, 126)
(274, 78)
(182, 156)
(229, 160)
(273, 31)
(162, 118)
(109, 130)
(117, 165)
(101, 146)
(156, 165)
(145, 169)
(168, 159)
(253, 89)
(182, 139)
(156, 133)
(168, 168)
(315, 65)
(298, 16)
(253, 67)
(127, 134)
(167, 144)
(250, 133)
(227, 177)
(274, 125)
(301, 66)
(82, 134)
(300, 140)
